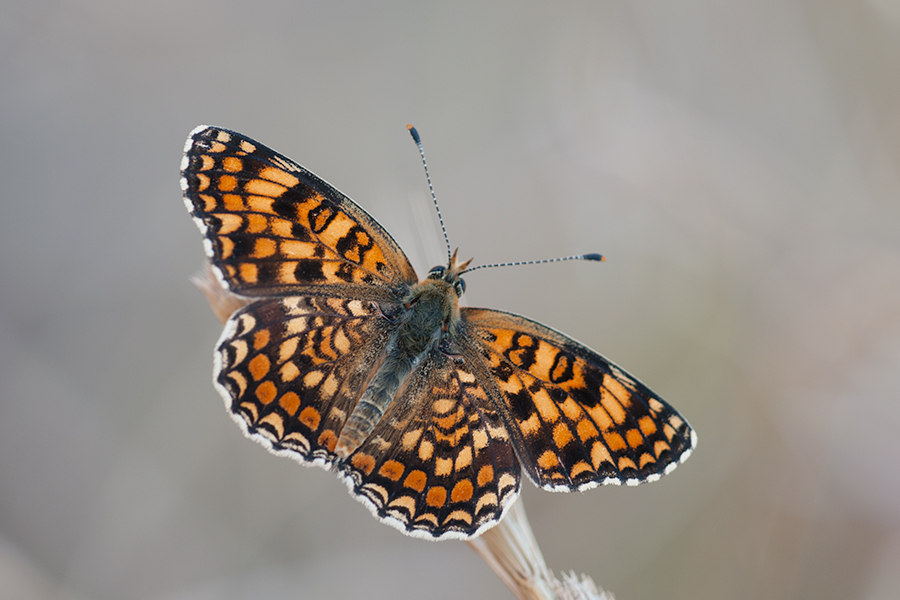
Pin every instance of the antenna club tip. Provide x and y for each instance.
(414, 134)
(597, 257)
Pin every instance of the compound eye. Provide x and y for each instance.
(460, 287)
(437, 272)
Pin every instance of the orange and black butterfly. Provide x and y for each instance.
(344, 359)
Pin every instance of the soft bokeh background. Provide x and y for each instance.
(736, 161)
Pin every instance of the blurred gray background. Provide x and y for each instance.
(736, 161)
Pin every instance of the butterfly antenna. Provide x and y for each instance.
(418, 141)
(596, 257)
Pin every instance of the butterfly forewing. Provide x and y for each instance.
(272, 227)
(440, 464)
(581, 420)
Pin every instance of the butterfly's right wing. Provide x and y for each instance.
(274, 228)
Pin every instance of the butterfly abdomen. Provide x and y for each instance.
(418, 331)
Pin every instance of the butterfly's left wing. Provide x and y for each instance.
(272, 228)
(440, 464)
(579, 420)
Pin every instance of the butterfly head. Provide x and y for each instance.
(451, 274)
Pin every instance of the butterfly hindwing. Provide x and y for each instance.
(274, 228)
(290, 369)
(440, 464)
(580, 419)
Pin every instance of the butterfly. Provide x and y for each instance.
(343, 358)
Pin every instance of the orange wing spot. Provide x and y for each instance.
(312, 379)
(202, 182)
(612, 406)
(328, 440)
(259, 365)
(259, 204)
(601, 417)
(226, 247)
(634, 438)
(462, 491)
(443, 406)
(223, 136)
(660, 446)
(288, 372)
(336, 230)
(626, 463)
(599, 455)
(463, 459)
(513, 386)
(256, 223)
(230, 223)
(208, 162)
(263, 248)
(545, 405)
(392, 469)
(586, 430)
(450, 421)
(579, 468)
(571, 409)
(352, 254)
(247, 147)
(329, 387)
(647, 425)
(233, 202)
(547, 460)
(279, 176)
(485, 475)
(618, 390)
(645, 460)
(310, 417)
(295, 249)
(209, 202)
(262, 187)
(479, 439)
(290, 402)
(266, 392)
(561, 435)
(426, 449)
(364, 462)
(443, 467)
(261, 339)
(531, 425)
(227, 183)
(669, 431)
(655, 405)
(675, 421)
(416, 480)
(436, 497)
(410, 439)
(287, 348)
(614, 441)
(216, 147)
(232, 164)
(525, 341)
